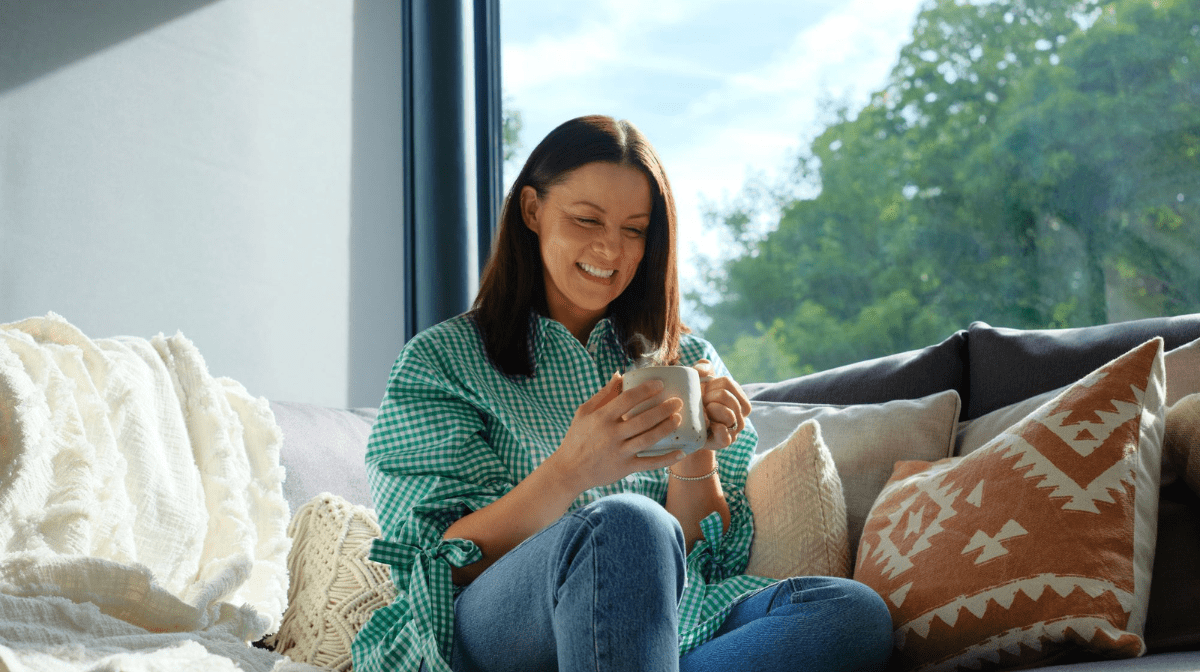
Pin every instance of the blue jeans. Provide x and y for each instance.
(807, 623)
(599, 590)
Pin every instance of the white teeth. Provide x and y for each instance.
(598, 272)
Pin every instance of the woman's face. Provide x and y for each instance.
(591, 228)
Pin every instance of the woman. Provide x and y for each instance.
(524, 531)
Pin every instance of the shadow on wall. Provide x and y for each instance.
(42, 36)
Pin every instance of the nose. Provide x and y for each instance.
(608, 242)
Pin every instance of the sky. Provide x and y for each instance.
(726, 90)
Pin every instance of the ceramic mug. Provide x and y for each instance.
(678, 381)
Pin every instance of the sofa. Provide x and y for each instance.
(929, 409)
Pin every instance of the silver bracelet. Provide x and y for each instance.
(693, 478)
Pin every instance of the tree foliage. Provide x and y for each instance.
(512, 123)
(1030, 163)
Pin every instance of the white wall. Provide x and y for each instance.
(194, 176)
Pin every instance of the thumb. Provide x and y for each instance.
(607, 393)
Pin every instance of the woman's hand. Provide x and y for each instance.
(601, 445)
(600, 448)
(725, 404)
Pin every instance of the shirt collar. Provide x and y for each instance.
(603, 337)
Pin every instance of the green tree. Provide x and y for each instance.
(1011, 171)
(513, 123)
(1102, 147)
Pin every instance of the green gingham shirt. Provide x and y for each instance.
(454, 434)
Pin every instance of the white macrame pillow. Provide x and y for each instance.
(333, 588)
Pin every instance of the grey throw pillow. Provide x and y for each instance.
(865, 440)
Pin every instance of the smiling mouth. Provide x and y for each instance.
(596, 272)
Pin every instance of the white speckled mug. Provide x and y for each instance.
(678, 381)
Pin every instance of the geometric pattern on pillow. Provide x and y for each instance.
(333, 587)
(1037, 545)
(799, 510)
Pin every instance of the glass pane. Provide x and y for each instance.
(857, 179)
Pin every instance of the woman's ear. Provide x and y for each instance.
(530, 205)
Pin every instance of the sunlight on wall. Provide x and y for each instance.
(194, 177)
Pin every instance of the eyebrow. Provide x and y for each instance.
(591, 204)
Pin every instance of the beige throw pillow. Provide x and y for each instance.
(1183, 371)
(799, 510)
(334, 588)
(1181, 443)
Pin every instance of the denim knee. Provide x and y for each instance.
(635, 518)
(637, 514)
(631, 531)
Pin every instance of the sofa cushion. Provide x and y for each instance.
(324, 450)
(799, 510)
(1036, 545)
(907, 375)
(1008, 365)
(1188, 661)
(866, 440)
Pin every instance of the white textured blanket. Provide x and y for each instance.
(142, 518)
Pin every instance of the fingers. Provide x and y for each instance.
(709, 381)
(653, 423)
(635, 396)
(722, 406)
(721, 415)
(721, 437)
(615, 405)
(743, 399)
(737, 396)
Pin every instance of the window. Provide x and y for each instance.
(857, 179)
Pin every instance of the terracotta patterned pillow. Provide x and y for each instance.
(1039, 545)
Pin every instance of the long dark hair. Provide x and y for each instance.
(646, 314)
